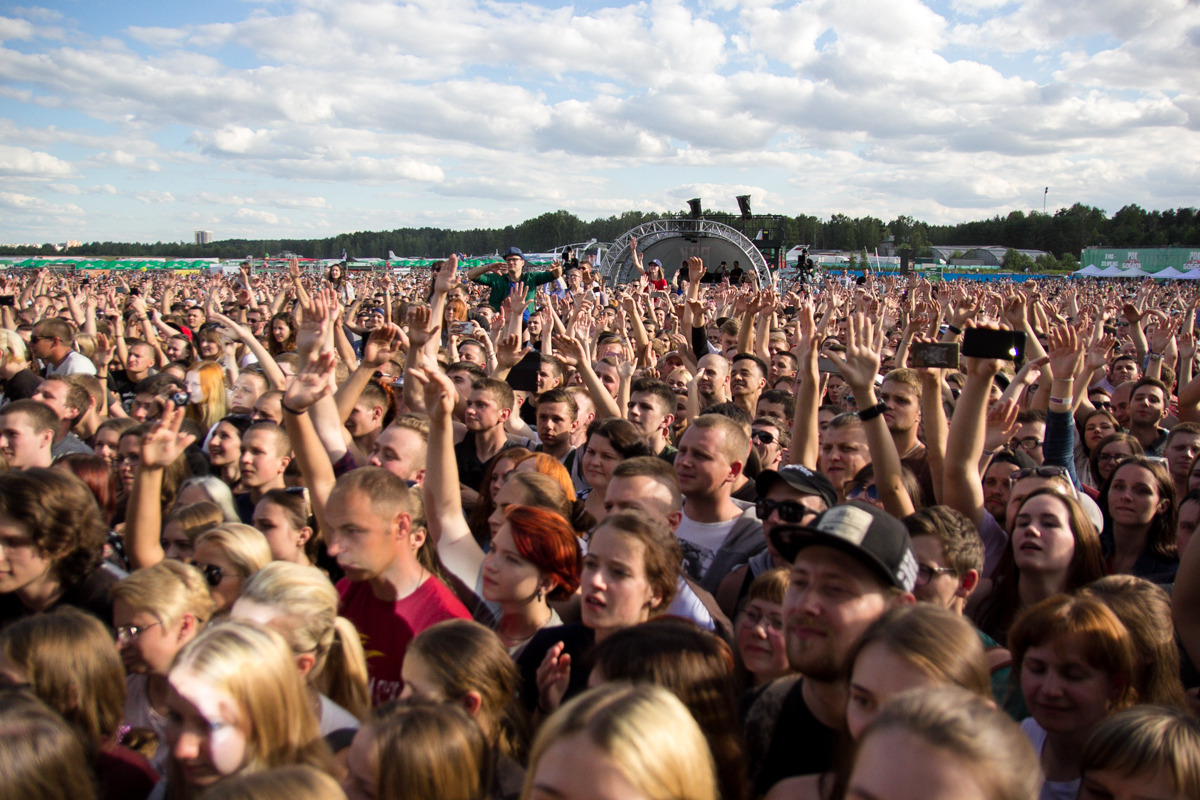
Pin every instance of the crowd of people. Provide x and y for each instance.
(508, 532)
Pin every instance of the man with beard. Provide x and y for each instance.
(850, 564)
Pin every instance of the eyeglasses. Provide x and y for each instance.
(1114, 457)
(213, 575)
(858, 490)
(1045, 471)
(1028, 443)
(926, 573)
(789, 511)
(127, 632)
(766, 437)
(753, 617)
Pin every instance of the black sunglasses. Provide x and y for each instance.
(213, 575)
(1045, 471)
(766, 437)
(789, 510)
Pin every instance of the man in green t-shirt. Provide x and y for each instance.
(501, 275)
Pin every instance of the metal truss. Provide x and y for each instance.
(617, 264)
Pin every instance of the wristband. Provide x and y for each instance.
(957, 331)
(1066, 401)
(292, 411)
(868, 414)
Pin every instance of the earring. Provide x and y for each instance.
(539, 594)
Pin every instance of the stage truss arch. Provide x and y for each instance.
(616, 266)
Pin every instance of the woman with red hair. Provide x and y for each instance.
(98, 475)
(534, 558)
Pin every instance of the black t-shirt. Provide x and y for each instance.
(470, 468)
(20, 386)
(798, 743)
(92, 595)
(577, 642)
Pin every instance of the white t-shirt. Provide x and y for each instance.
(700, 541)
(76, 363)
(1051, 790)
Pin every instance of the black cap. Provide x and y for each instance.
(514, 251)
(872, 536)
(800, 478)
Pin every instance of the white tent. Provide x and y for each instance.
(1114, 272)
(1091, 270)
(1192, 274)
(1169, 272)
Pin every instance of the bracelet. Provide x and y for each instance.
(292, 411)
(868, 414)
(1065, 401)
(957, 331)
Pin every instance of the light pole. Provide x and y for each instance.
(1044, 199)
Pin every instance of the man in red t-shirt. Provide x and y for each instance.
(387, 593)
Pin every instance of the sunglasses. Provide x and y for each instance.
(765, 437)
(213, 575)
(1028, 443)
(789, 511)
(1045, 471)
(858, 491)
(301, 492)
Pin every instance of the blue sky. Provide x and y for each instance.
(304, 118)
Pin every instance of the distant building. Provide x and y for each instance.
(203, 237)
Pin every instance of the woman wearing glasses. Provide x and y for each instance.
(1054, 548)
(1138, 501)
(156, 611)
(1097, 426)
(1109, 452)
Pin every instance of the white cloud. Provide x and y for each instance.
(334, 109)
(25, 163)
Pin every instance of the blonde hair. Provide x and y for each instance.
(294, 782)
(85, 343)
(40, 756)
(244, 545)
(254, 665)
(196, 518)
(168, 590)
(71, 662)
(972, 730)
(308, 605)
(13, 348)
(647, 732)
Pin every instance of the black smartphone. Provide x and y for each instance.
(990, 343)
(942, 355)
(8, 300)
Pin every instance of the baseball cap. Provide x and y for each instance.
(514, 251)
(654, 262)
(800, 478)
(873, 537)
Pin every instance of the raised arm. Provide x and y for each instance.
(456, 547)
(161, 447)
(309, 388)
(962, 486)
(860, 365)
(265, 360)
(806, 446)
(572, 353)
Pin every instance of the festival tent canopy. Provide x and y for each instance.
(1114, 272)
(1090, 270)
(1169, 272)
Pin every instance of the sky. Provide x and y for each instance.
(134, 120)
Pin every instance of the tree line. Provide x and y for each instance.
(1064, 234)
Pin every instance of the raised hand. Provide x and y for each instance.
(313, 331)
(447, 276)
(860, 363)
(569, 350)
(312, 381)
(695, 267)
(1001, 422)
(437, 389)
(382, 345)
(1066, 356)
(509, 351)
(420, 331)
(1097, 354)
(164, 443)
